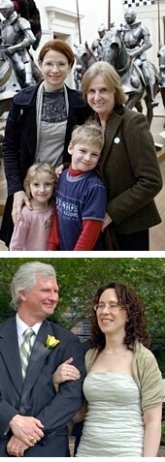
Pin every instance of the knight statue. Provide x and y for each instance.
(96, 45)
(29, 11)
(136, 38)
(16, 38)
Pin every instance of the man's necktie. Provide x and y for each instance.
(25, 349)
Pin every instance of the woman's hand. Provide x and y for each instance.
(80, 415)
(20, 198)
(107, 221)
(59, 169)
(64, 372)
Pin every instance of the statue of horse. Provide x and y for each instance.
(161, 56)
(9, 84)
(134, 85)
(11, 81)
(84, 59)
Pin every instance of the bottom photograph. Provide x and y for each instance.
(82, 357)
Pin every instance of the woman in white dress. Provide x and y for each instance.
(123, 386)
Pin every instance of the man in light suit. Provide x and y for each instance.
(33, 416)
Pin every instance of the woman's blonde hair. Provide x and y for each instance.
(110, 77)
(90, 132)
(32, 173)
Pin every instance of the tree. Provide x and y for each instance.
(79, 279)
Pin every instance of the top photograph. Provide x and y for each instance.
(82, 125)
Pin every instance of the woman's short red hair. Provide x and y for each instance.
(57, 45)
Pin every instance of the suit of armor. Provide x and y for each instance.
(17, 37)
(136, 38)
(161, 56)
(96, 45)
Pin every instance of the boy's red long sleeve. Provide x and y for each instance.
(53, 242)
(89, 235)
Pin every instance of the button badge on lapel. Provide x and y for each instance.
(117, 140)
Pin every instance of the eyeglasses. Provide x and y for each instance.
(59, 65)
(113, 306)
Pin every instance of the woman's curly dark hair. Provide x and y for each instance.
(135, 326)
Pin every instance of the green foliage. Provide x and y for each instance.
(5, 310)
(79, 279)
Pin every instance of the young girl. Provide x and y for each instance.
(32, 230)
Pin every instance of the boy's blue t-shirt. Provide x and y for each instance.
(78, 198)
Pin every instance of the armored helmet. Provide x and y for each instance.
(102, 28)
(130, 16)
(6, 5)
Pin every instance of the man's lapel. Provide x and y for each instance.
(10, 353)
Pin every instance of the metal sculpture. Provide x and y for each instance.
(96, 45)
(84, 59)
(136, 38)
(28, 10)
(161, 56)
(17, 37)
(134, 84)
(17, 68)
(9, 84)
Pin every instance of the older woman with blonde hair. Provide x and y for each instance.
(128, 164)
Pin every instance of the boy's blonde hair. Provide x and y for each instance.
(32, 173)
(90, 132)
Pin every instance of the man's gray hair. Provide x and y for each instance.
(25, 279)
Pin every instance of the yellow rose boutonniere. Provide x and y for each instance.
(51, 341)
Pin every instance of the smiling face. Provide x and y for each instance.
(100, 98)
(39, 302)
(41, 189)
(110, 317)
(85, 156)
(55, 69)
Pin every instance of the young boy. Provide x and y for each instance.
(80, 195)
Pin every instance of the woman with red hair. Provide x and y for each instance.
(39, 126)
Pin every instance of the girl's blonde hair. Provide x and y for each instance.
(110, 77)
(90, 132)
(32, 173)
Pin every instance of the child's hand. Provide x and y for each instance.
(59, 169)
